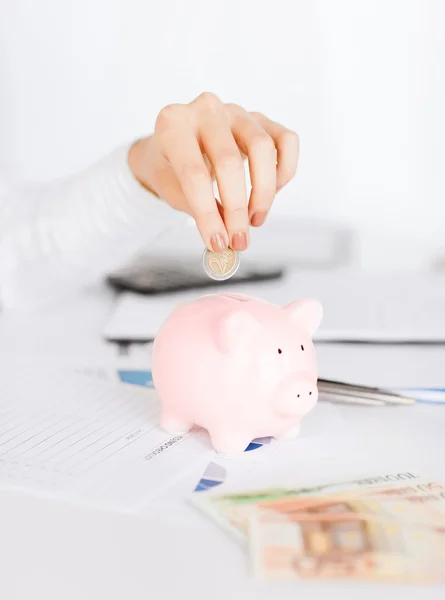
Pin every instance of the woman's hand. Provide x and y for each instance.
(205, 140)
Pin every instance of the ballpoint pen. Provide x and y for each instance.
(345, 399)
(338, 391)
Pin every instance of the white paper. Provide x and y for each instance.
(318, 442)
(80, 438)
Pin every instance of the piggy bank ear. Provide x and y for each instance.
(233, 327)
(306, 313)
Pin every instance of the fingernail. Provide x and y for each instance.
(218, 243)
(239, 241)
(258, 218)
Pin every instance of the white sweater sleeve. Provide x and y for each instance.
(58, 237)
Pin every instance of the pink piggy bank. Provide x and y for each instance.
(240, 367)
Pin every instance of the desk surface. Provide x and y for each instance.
(54, 550)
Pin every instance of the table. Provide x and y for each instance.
(53, 550)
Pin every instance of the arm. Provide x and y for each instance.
(61, 236)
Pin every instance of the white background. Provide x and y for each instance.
(363, 83)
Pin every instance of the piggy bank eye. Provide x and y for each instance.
(279, 351)
(302, 347)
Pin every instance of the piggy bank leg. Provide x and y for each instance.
(293, 433)
(172, 424)
(229, 442)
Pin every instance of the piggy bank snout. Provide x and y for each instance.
(299, 396)
(306, 389)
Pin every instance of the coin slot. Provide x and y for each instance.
(237, 297)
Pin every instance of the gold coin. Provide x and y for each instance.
(220, 265)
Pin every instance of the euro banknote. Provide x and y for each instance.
(327, 546)
(232, 511)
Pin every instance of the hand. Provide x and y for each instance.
(195, 143)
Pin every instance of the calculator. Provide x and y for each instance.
(160, 275)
